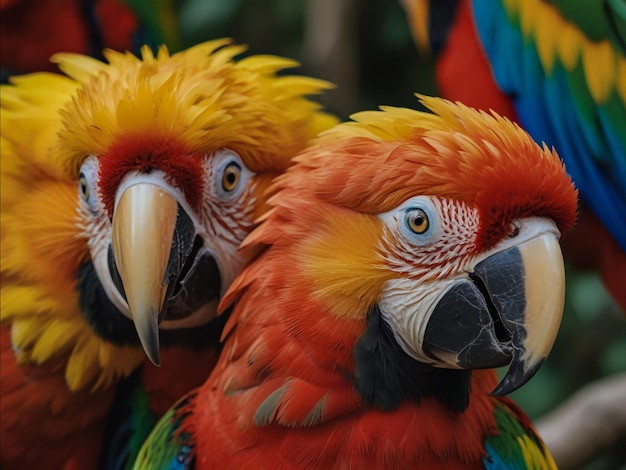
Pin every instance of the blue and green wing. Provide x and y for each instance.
(563, 64)
(170, 445)
(130, 421)
(517, 445)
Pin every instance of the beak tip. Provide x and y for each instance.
(147, 327)
(156, 361)
(517, 376)
(153, 353)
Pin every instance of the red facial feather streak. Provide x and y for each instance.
(145, 154)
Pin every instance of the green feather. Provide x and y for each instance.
(160, 19)
(598, 19)
(143, 420)
(169, 446)
(516, 446)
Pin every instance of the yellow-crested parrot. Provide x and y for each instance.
(559, 69)
(405, 255)
(127, 187)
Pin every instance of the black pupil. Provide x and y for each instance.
(418, 220)
(230, 176)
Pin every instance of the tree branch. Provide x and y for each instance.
(593, 420)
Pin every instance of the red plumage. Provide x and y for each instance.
(289, 389)
(145, 153)
(32, 30)
(71, 434)
(461, 56)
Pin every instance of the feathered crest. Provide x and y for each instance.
(455, 152)
(201, 98)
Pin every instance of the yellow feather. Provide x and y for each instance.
(22, 301)
(50, 123)
(266, 63)
(546, 37)
(81, 68)
(23, 335)
(444, 130)
(81, 367)
(528, 13)
(553, 34)
(534, 457)
(599, 67)
(344, 283)
(56, 337)
(569, 45)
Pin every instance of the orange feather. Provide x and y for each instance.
(283, 393)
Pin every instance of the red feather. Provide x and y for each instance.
(32, 30)
(165, 384)
(463, 56)
(69, 426)
(144, 153)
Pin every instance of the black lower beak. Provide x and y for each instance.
(158, 262)
(507, 312)
(192, 276)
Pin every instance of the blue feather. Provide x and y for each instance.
(493, 461)
(559, 110)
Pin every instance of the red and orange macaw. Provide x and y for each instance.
(402, 252)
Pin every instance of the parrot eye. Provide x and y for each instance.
(83, 186)
(231, 177)
(228, 174)
(87, 181)
(417, 221)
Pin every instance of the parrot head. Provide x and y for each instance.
(433, 238)
(172, 154)
(168, 157)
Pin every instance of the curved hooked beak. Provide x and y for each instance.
(508, 312)
(160, 265)
(143, 230)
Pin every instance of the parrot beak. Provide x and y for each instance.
(507, 312)
(159, 264)
(143, 230)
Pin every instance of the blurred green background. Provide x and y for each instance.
(366, 48)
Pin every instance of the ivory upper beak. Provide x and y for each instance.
(143, 229)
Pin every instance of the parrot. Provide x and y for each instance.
(406, 254)
(126, 188)
(559, 69)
